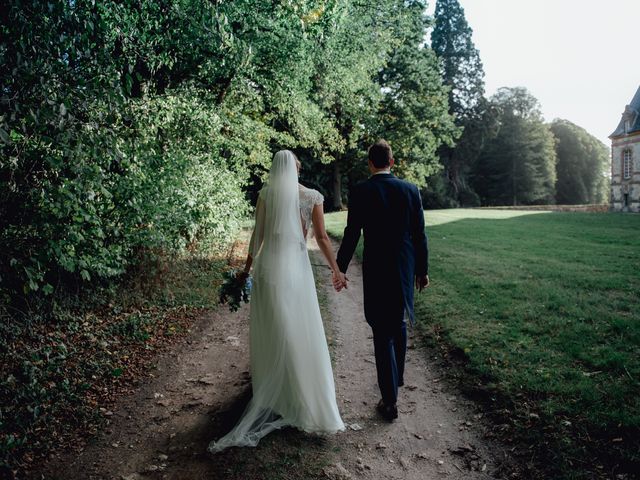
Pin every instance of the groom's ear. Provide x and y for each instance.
(391, 162)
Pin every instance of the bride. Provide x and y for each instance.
(291, 374)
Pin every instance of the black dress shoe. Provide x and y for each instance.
(388, 412)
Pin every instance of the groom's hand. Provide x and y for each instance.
(422, 282)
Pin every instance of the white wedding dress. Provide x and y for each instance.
(291, 375)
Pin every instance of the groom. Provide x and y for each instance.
(389, 213)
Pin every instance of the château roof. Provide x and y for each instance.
(632, 114)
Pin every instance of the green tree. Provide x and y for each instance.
(413, 115)
(375, 78)
(352, 49)
(120, 119)
(463, 73)
(518, 165)
(583, 163)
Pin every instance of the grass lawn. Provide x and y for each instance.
(545, 310)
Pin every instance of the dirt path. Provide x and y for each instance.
(198, 390)
(162, 429)
(437, 434)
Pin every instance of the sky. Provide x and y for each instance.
(579, 58)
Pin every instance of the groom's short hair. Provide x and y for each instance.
(380, 154)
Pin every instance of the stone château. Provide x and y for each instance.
(625, 159)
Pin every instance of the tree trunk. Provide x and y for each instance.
(454, 174)
(513, 184)
(337, 186)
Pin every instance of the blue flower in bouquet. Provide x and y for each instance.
(235, 289)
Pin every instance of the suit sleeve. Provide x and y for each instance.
(419, 236)
(352, 232)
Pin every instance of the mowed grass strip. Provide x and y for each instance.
(546, 308)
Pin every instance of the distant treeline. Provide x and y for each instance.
(506, 154)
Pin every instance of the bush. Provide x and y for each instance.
(156, 185)
(436, 194)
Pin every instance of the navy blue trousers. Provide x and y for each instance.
(390, 344)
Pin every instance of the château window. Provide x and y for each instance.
(626, 164)
(627, 126)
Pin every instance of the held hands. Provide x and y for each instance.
(242, 276)
(422, 282)
(339, 280)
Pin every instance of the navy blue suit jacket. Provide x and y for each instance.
(388, 211)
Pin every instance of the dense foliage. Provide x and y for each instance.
(517, 166)
(582, 167)
(376, 78)
(413, 112)
(463, 73)
(133, 126)
(460, 60)
(101, 160)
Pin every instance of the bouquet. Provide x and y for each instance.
(236, 288)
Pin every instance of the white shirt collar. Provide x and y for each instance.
(386, 172)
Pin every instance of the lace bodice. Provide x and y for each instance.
(308, 199)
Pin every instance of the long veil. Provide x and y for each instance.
(278, 237)
(291, 373)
